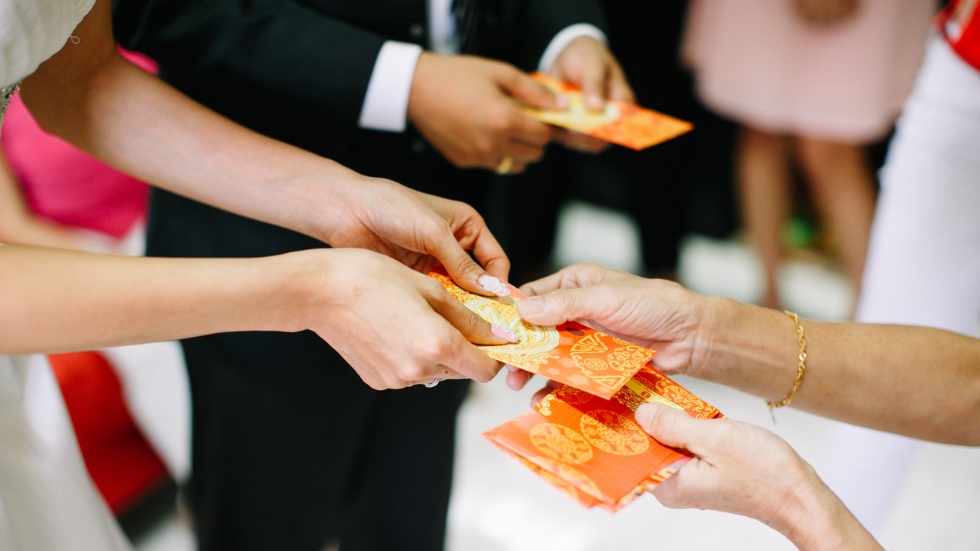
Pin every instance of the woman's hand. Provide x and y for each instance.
(394, 326)
(418, 230)
(654, 313)
(746, 470)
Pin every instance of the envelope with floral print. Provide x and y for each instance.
(622, 123)
(592, 448)
(571, 353)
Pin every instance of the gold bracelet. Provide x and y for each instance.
(799, 369)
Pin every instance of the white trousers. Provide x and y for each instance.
(923, 265)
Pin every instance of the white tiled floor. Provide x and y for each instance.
(500, 506)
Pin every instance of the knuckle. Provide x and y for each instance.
(411, 373)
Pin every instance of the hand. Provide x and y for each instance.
(418, 230)
(654, 313)
(746, 470)
(470, 110)
(825, 12)
(395, 327)
(588, 64)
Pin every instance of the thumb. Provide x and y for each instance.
(529, 91)
(561, 305)
(673, 427)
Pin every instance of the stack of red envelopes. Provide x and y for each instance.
(583, 437)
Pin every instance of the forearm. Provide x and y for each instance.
(56, 301)
(93, 98)
(915, 381)
(819, 521)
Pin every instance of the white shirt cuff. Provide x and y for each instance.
(386, 101)
(564, 38)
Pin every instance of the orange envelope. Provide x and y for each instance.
(593, 449)
(571, 353)
(626, 124)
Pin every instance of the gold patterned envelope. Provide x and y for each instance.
(571, 353)
(622, 123)
(592, 448)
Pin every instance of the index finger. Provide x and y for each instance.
(579, 275)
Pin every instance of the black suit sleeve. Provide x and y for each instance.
(280, 49)
(541, 20)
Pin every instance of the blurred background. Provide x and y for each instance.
(742, 207)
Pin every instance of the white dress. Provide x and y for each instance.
(47, 501)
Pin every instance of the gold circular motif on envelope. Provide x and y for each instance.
(561, 443)
(613, 433)
(534, 339)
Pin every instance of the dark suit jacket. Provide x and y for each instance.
(297, 70)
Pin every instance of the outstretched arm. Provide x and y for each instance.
(89, 95)
(915, 381)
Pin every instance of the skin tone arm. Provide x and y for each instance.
(772, 484)
(19, 225)
(396, 327)
(92, 97)
(920, 382)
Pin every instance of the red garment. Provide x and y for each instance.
(962, 32)
(64, 184)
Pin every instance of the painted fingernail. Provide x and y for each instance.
(493, 285)
(504, 333)
(531, 305)
(644, 415)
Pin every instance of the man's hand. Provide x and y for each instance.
(418, 230)
(588, 64)
(470, 110)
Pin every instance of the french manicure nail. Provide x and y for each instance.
(504, 333)
(493, 285)
(531, 305)
(644, 414)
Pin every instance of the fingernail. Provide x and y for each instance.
(531, 305)
(644, 414)
(493, 285)
(595, 101)
(504, 333)
(561, 101)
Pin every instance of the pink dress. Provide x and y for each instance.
(64, 184)
(758, 62)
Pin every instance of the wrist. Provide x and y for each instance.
(298, 286)
(815, 519)
(746, 347)
(417, 92)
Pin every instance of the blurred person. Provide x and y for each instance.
(53, 195)
(923, 264)
(379, 87)
(811, 82)
(868, 375)
(55, 300)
